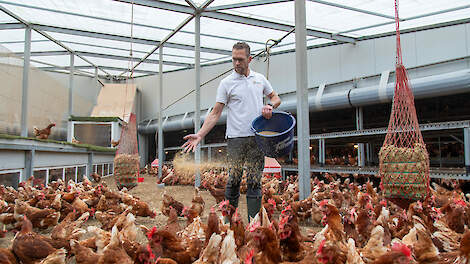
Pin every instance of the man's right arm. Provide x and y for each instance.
(211, 119)
(194, 139)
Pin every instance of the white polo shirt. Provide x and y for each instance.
(243, 97)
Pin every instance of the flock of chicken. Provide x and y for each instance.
(355, 225)
(65, 208)
(359, 226)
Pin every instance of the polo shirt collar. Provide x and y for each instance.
(240, 76)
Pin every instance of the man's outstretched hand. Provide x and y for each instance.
(191, 142)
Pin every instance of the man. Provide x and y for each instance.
(242, 92)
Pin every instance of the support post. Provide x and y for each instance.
(303, 140)
(321, 151)
(466, 139)
(90, 165)
(160, 108)
(24, 97)
(368, 153)
(197, 116)
(70, 113)
(29, 164)
(360, 126)
(209, 154)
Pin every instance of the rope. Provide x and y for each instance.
(131, 62)
(397, 25)
(229, 70)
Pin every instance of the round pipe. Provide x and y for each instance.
(425, 87)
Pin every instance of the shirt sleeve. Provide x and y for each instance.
(222, 96)
(267, 88)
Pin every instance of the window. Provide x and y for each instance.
(70, 174)
(40, 177)
(10, 178)
(55, 174)
(99, 169)
(81, 173)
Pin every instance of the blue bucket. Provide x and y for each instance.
(278, 145)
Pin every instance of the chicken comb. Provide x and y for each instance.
(288, 208)
(151, 232)
(249, 257)
(460, 202)
(212, 210)
(323, 203)
(271, 201)
(403, 248)
(383, 203)
(223, 203)
(437, 210)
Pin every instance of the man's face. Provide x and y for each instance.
(240, 60)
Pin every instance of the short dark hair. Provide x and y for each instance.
(242, 45)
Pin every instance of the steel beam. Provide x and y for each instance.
(178, 28)
(197, 87)
(101, 46)
(84, 67)
(245, 4)
(360, 148)
(100, 55)
(408, 19)
(160, 116)
(321, 151)
(191, 3)
(466, 139)
(8, 12)
(115, 21)
(353, 9)
(237, 19)
(29, 164)
(12, 26)
(25, 87)
(303, 142)
(89, 165)
(100, 35)
(70, 113)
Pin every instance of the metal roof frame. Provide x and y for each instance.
(215, 12)
(101, 55)
(27, 24)
(125, 22)
(237, 19)
(99, 46)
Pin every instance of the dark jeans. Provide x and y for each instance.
(243, 152)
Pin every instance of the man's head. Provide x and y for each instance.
(241, 57)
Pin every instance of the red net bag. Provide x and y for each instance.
(404, 160)
(127, 160)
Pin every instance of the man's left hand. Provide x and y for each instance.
(267, 111)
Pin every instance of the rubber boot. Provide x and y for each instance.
(232, 193)
(253, 205)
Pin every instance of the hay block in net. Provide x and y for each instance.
(404, 161)
(404, 171)
(126, 170)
